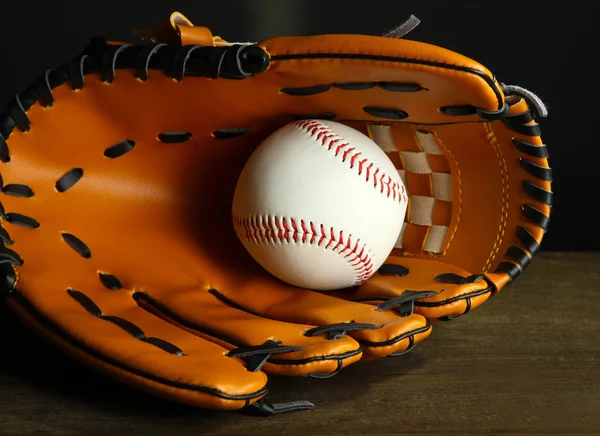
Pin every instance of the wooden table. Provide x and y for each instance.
(528, 361)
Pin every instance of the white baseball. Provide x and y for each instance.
(319, 205)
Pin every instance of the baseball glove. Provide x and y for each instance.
(119, 169)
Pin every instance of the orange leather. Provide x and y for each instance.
(158, 217)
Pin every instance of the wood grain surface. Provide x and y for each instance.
(527, 362)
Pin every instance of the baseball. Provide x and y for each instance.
(319, 205)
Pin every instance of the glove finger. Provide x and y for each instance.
(250, 288)
(384, 332)
(206, 314)
(447, 291)
(109, 332)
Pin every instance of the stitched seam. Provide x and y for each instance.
(449, 153)
(259, 229)
(326, 137)
(505, 196)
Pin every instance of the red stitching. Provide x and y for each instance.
(345, 155)
(314, 233)
(389, 188)
(327, 137)
(338, 148)
(259, 229)
(331, 239)
(304, 232)
(382, 182)
(352, 159)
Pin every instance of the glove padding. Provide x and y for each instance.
(119, 171)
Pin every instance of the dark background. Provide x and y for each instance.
(541, 46)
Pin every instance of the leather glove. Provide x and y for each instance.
(118, 170)
(118, 175)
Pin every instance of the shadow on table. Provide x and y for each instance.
(48, 376)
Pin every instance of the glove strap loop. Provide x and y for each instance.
(536, 103)
(405, 28)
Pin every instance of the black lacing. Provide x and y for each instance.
(517, 258)
(467, 310)
(127, 326)
(457, 279)
(8, 256)
(108, 64)
(18, 190)
(232, 62)
(521, 123)
(265, 408)
(44, 90)
(336, 331)
(5, 237)
(68, 180)
(258, 355)
(142, 62)
(110, 281)
(411, 345)
(404, 304)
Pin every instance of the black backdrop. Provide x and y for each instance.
(539, 45)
